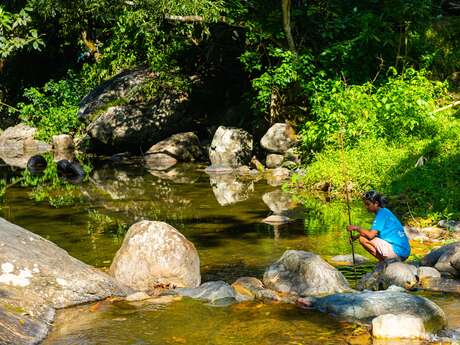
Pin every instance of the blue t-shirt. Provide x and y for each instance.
(391, 230)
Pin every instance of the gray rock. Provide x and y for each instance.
(183, 147)
(348, 258)
(445, 259)
(209, 291)
(230, 148)
(427, 272)
(451, 225)
(274, 160)
(292, 155)
(365, 306)
(153, 254)
(17, 145)
(230, 189)
(62, 142)
(36, 277)
(398, 326)
(391, 273)
(159, 161)
(136, 127)
(279, 138)
(305, 274)
(118, 87)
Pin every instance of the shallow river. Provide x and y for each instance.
(223, 218)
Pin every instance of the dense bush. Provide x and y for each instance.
(397, 110)
(53, 107)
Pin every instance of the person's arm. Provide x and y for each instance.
(369, 234)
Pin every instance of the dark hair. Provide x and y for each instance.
(373, 196)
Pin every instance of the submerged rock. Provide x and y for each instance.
(398, 326)
(348, 258)
(305, 274)
(209, 291)
(365, 306)
(230, 148)
(153, 254)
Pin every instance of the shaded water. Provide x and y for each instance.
(223, 218)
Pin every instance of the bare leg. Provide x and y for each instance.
(367, 244)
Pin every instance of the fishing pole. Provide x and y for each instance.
(345, 177)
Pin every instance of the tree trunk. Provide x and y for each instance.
(286, 6)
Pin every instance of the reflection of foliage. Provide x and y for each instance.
(49, 187)
(2, 190)
(99, 223)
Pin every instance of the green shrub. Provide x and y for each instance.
(397, 110)
(53, 108)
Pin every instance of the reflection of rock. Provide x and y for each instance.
(279, 202)
(37, 277)
(304, 274)
(154, 253)
(182, 173)
(17, 145)
(229, 189)
(277, 176)
(119, 183)
(230, 148)
(182, 147)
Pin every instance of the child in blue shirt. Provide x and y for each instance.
(386, 239)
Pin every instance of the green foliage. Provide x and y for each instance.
(397, 110)
(420, 176)
(2, 190)
(53, 108)
(16, 32)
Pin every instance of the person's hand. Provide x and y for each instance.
(353, 228)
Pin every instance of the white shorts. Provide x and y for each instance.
(384, 248)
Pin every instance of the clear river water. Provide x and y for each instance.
(223, 217)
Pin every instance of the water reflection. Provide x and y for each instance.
(230, 188)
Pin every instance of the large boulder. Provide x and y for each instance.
(230, 148)
(279, 138)
(182, 147)
(36, 277)
(305, 274)
(155, 254)
(136, 127)
(365, 306)
(118, 87)
(445, 259)
(17, 145)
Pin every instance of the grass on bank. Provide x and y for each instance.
(421, 177)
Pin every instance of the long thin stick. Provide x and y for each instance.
(345, 175)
